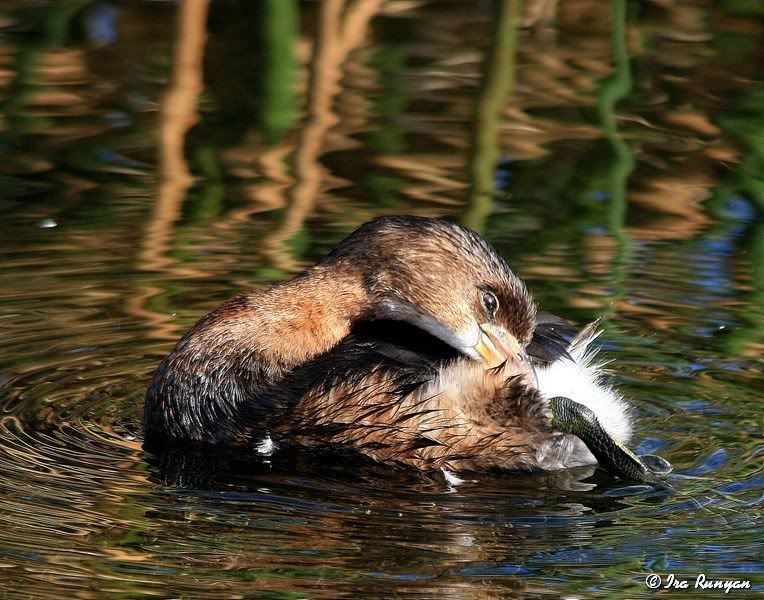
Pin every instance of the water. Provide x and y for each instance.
(619, 171)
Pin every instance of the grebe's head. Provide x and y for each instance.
(444, 279)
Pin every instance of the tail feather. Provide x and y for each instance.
(582, 379)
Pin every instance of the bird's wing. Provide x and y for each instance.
(402, 401)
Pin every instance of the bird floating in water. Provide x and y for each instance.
(413, 343)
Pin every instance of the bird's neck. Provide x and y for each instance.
(301, 318)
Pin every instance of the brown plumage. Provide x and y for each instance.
(408, 343)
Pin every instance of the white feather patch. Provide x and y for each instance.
(267, 446)
(582, 380)
(451, 478)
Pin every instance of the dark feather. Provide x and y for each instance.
(422, 442)
(551, 339)
(406, 355)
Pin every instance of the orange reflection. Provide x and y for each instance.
(335, 38)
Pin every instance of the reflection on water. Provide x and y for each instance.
(157, 157)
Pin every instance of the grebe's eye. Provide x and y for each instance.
(490, 303)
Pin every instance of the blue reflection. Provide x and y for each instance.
(101, 24)
(714, 460)
(740, 209)
(649, 446)
(493, 570)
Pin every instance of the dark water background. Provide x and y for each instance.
(158, 157)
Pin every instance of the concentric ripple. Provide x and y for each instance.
(84, 509)
(623, 152)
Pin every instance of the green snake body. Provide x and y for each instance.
(574, 418)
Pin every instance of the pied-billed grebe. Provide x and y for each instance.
(411, 342)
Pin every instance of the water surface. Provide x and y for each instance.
(148, 172)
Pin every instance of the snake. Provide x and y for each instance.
(574, 418)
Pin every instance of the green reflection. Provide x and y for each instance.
(53, 27)
(85, 316)
(278, 98)
(495, 90)
(613, 89)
